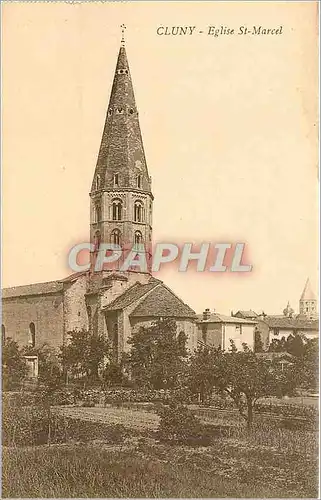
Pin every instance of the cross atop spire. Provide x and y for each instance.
(122, 42)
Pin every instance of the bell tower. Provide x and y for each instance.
(121, 200)
(308, 302)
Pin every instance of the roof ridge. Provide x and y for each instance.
(30, 284)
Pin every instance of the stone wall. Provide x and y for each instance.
(45, 311)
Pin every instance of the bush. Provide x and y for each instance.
(112, 396)
(179, 425)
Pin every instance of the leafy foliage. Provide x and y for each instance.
(258, 344)
(178, 424)
(84, 354)
(14, 368)
(200, 378)
(306, 358)
(242, 375)
(158, 354)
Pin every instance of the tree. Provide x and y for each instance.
(258, 344)
(200, 378)
(307, 365)
(294, 345)
(114, 373)
(158, 353)
(14, 368)
(84, 354)
(278, 345)
(242, 375)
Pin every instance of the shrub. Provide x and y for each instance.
(179, 425)
(14, 368)
(112, 396)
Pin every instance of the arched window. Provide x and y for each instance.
(138, 237)
(116, 180)
(97, 212)
(3, 332)
(138, 212)
(139, 181)
(89, 315)
(117, 209)
(97, 240)
(32, 335)
(97, 182)
(115, 237)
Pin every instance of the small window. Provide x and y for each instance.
(32, 335)
(89, 315)
(110, 112)
(238, 329)
(138, 212)
(131, 111)
(3, 332)
(116, 180)
(97, 212)
(276, 331)
(97, 240)
(117, 209)
(115, 237)
(139, 181)
(97, 182)
(138, 237)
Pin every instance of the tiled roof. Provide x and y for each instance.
(162, 302)
(221, 318)
(33, 289)
(73, 277)
(247, 314)
(130, 295)
(291, 323)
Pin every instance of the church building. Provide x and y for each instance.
(110, 302)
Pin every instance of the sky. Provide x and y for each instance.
(229, 126)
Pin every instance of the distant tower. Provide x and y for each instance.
(308, 302)
(288, 311)
(121, 196)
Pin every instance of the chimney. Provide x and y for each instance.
(206, 314)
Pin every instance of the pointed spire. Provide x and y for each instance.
(308, 293)
(121, 151)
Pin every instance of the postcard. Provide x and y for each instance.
(160, 272)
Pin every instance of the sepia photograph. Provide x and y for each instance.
(160, 249)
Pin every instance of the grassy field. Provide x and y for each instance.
(269, 462)
(228, 469)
